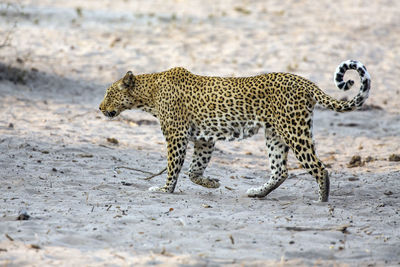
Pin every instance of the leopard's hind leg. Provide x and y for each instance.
(277, 155)
(305, 153)
(299, 137)
(201, 158)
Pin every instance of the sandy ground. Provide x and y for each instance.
(57, 163)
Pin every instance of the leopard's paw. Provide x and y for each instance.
(205, 181)
(162, 189)
(256, 192)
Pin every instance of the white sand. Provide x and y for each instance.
(57, 164)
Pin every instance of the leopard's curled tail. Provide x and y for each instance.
(342, 106)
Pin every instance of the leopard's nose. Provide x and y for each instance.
(112, 113)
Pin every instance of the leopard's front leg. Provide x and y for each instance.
(176, 149)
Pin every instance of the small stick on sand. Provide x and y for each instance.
(139, 170)
(9, 237)
(82, 114)
(232, 240)
(341, 228)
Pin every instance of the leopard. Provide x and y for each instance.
(207, 109)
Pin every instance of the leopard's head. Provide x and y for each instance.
(118, 97)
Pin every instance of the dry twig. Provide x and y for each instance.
(340, 228)
(152, 175)
(9, 237)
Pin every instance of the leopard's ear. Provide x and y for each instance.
(129, 80)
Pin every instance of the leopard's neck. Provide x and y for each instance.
(145, 91)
